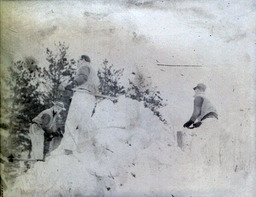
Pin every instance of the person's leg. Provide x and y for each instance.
(211, 146)
(47, 142)
(68, 143)
(226, 151)
(205, 143)
(86, 128)
(31, 135)
(37, 140)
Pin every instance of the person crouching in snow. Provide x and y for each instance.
(78, 126)
(208, 145)
(203, 108)
(45, 124)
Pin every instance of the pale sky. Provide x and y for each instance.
(134, 35)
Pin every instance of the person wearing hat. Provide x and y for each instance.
(43, 126)
(203, 108)
(209, 146)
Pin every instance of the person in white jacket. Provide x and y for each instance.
(79, 126)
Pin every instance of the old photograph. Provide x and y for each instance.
(128, 98)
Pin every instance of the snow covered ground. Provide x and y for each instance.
(141, 160)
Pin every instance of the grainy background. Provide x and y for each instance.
(137, 35)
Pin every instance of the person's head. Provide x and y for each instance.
(200, 88)
(58, 106)
(85, 58)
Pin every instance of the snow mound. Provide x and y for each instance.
(131, 154)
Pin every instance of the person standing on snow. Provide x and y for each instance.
(78, 126)
(203, 108)
(43, 125)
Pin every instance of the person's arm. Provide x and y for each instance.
(46, 118)
(82, 75)
(49, 132)
(198, 102)
(59, 126)
(80, 78)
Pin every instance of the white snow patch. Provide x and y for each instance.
(132, 154)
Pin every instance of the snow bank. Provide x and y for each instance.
(132, 154)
